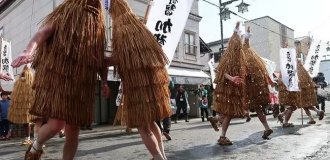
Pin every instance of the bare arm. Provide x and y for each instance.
(40, 37)
(228, 77)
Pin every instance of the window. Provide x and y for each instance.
(190, 43)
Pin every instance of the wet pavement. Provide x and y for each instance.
(197, 140)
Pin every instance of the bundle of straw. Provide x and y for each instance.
(22, 98)
(141, 68)
(67, 64)
(228, 97)
(257, 91)
(287, 98)
(308, 96)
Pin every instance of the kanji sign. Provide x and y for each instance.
(167, 19)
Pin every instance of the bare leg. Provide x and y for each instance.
(308, 113)
(71, 141)
(47, 131)
(156, 131)
(262, 118)
(150, 141)
(225, 125)
(288, 114)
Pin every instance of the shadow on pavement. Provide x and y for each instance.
(211, 151)
(81, 153)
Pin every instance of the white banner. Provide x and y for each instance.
(211, 66)
(6, 59)
(313, 60)
(288, 65)
(167, 19)
(270, 66)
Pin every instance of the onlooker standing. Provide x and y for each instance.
(204, 106)
(321, 93)
(181, 101)
(4, 123)
(202, 92)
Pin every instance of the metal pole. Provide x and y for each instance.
(221, 29)
(147, 12)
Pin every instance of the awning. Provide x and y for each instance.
(187, 76)
(178, 75)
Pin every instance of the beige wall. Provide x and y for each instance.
(266, 43)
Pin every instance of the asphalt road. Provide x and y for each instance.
(197, 140)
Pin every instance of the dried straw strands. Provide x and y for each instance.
(22, 98)
(229, 98)
(307, 88)
(257, 92)
(67, 65)
(306, 97)
(141, 68)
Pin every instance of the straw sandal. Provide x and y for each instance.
(267, 133)
(286, 125)
(311, 122)
(33, 156)
(224, 141)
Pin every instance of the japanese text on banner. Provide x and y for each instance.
(288, 66)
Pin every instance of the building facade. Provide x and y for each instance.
(20, 19)
(268, 42)
(302, 46)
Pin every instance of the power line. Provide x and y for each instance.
(250, 21)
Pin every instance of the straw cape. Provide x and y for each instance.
(68, 63)
(228, 97)
(307, 88)
(22, 98)
(141, 68)
(257, 92)
(306, 97)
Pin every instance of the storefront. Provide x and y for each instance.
(190, 79)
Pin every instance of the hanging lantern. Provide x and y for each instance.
(243, 7)
(225, 14)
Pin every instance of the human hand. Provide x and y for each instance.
(237, 80)
(5, 77)
(24, 58)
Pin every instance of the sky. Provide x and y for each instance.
(306, 17)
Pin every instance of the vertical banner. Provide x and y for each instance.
(167, 19)
(313, 60)
(288, 62)
(270, 66)
(6, 59)
(211, 66)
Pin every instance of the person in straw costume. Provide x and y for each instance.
(67, 54)
(141, 67)
(21, 101)
(230, 91)
(305, 98)
(250, 91)
(308, 94)
(257, 81)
